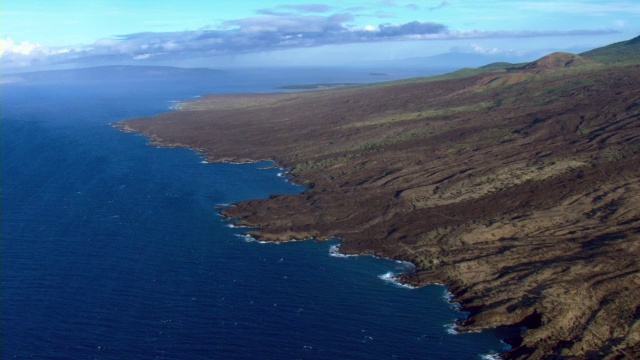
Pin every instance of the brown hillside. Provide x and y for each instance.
(524, 197)
(559, 60)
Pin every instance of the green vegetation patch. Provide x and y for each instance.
(403, 136)
(419, 115)
(550, 94)
(621, 53)
(321, 164)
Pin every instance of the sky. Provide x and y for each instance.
(38, 34)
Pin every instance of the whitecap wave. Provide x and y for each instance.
(250, 239)
(292, 240)
(452, 329)
(204, 162)
(492, 356)
(334, 251)
(448, 296)
(247, 237)
(393, 278)
(405, 264)
(286, 176)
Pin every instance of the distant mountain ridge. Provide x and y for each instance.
(621, 53)
(109, 72)
(455, 60)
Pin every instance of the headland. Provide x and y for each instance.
(518, 186)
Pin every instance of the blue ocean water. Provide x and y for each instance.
(112, 249)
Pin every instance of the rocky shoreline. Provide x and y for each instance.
(519, 189)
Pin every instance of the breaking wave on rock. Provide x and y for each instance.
(392, 278)
(334, 251)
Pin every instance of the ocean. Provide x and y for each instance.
(113, 249)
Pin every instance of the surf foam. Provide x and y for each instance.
(393, 278)
(334, 251)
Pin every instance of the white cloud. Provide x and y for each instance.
(8, 46)
(25, 53)
(252, 35)
(142, 57)
(483, 50)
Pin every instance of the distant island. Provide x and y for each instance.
(108, 73)
(517, 185)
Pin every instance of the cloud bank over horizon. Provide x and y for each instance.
(275, 28)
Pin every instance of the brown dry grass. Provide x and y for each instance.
(519, 190)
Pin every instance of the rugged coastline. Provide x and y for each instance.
(518, 188)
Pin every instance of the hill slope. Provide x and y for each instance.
(558, 61)
(519, 189)
(624, 52)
